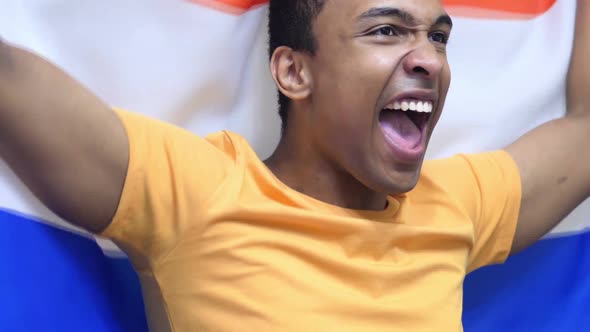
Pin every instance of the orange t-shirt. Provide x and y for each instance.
(220, 244)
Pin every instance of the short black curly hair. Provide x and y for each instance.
(290, 23)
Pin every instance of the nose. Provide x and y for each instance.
(424, 61)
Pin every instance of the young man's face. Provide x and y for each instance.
(374, 55)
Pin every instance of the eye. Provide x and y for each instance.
(387, 30)
(439, 37)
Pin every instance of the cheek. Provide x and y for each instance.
(358, 85)
(358, 70)
(385, 60)
(446, 78)
(343, 100)
(348, 88)
(444, 86)
(376, 66)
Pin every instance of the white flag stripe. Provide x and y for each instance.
(206, 70)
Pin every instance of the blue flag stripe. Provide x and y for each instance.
(60, 281)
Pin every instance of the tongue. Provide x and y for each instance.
(398, 127)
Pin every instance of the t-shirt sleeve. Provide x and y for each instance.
(495, 206)
(487, 188)
(171, 175)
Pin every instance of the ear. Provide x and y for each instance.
(291, 73)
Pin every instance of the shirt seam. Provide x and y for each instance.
(164, 301)
(205, 206)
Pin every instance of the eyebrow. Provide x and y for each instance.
(444, 19)
(403, 15)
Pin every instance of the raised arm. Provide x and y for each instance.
(65, 144)
(578, 90)
(554, 159)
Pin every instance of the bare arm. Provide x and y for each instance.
(66, 145)
(578, 90)
(554, 159)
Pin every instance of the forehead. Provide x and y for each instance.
(349, 11)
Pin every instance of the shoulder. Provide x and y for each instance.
(469, 179)
(463, 168)
(232, 144)
(145, 132)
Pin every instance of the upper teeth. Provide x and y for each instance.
(411, 105)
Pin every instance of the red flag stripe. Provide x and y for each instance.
(500, 9)
(235, 7)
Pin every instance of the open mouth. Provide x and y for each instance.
(403, 122)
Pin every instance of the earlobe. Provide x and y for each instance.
(290, 71)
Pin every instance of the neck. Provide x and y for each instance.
(297, 165)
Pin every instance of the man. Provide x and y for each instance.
(342, 227)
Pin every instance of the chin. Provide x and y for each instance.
(401, 182)
(395, 184)
(403, 186)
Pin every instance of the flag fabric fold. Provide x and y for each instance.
(202, 65)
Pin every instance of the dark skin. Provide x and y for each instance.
(334, 151)
(67, 145)
(369, 53)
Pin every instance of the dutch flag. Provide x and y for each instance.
(202, 65)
